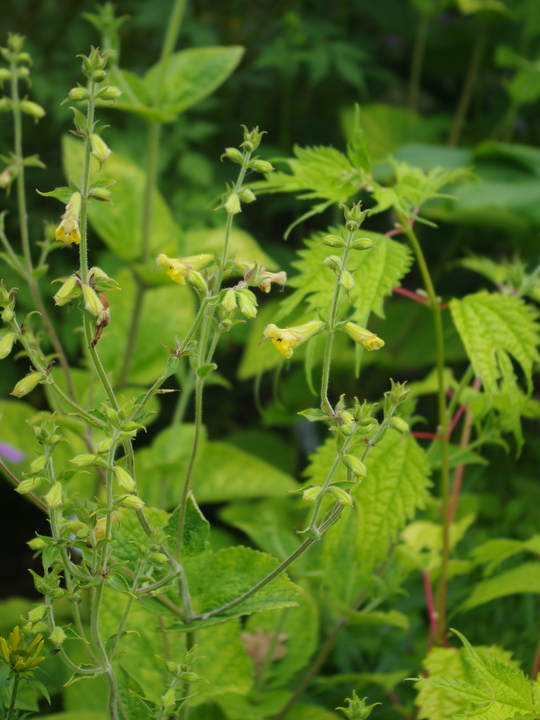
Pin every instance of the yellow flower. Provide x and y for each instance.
(68, 231)
(179, 268)
(363, 337)
(259, 276)
(285, 340)
(16, 655)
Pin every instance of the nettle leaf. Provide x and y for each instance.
(413, 187)
(492, 327)
(396, 486)
(192, 75)
(128, 534)
(497, 689)
(436, 699)
(494, 552)
(317, 172)
(375, 273)
(130, 694)
(217, 578)
(196, 529)
(522, 579)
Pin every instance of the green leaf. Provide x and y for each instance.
(440, 700)
(192, 75)
(301, 626)
(316, 172)
(242, 245)
(374, 271)
(119, 224)
(76, 715)
(313, 414)
(224, 472)
(217, 578)
(494, 552)
(394, 618)
(130, 695)
(136, 98)
(62, 193)
(167, 311)
(522, 579)
(196, 529)
(128, 533)
(204, 370)
(310, 712)
(254, 706)
(396, 486)
(493, 326)
(357, 144)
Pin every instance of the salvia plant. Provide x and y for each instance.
(143, 616)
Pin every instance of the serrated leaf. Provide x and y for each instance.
(196, 529)
(129, 691)
(374, 271)
(217, 578)
(493, 326)
(317, 172)
(192, 75)
(438, 700)
(522, 579)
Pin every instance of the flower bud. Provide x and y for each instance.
(252, 138)
(311, 493)
(99, 76)
(57, 636)
(91, 301)
(346, 280)
(247, 303)
(54, 497)
(28, 486)
(341, 496)
(363, 244)
(334, 241)
(333, 261)
(8, 314)
(229, 301)
(159, 558)
(168, 698)
(100, 149)
(38, 464)
(196, 279)
(37, 613)
(261, 166)
(27, 384)
(83, 460)
(235, 155)
(132, 502)
(398, 424)
(111, 92)
(101, 193)
(355, 465)
(5, 75)
(23, 73)
(32, 108)
(78, 94)
(37, 543)
(247, 196)
(6, 344)
(232, 205)
(124, 479)
(69, 290)
(105, 445)
(354, 216)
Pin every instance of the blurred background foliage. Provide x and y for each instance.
(455, 83)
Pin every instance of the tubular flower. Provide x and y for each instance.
(68, 231)
(363, 337)
(178, 269)
(17, 656)
(285, 340)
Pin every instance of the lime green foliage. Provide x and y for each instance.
(190, 76)
(478, 682)
(131, 696)
(254, 706)
(78, 715)
(522, 579)
(167, 311)
(375, 272)
(494, 552)
(300, 629)
(217, 578)
(440, 701)
(119, 225)
(242, 245)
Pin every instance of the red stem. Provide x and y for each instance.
(432, 612)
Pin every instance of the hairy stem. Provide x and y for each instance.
(16, 681)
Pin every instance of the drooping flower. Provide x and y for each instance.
(68, 231)
(260, 277)
(287, 339)
(363, 337)
(178, 268)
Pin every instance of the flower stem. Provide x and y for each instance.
(443, 422)
(16, 681)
